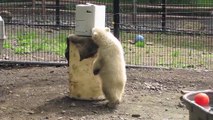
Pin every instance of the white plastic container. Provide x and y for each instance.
(2, 33)
(87, 17)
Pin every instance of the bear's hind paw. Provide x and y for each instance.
(113, 105)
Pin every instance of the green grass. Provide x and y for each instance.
(175, 53)
(204, 3)
(25, 43)
(7, 45)
(198, 42)
(29, 42)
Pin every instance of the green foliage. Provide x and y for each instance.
(7, 45)
(204, 2)
(60, 44)
(31, 42)
(175, 53)
(25, 42)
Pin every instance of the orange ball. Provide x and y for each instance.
(201, 99)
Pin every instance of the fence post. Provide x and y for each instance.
(134, 15)
(33, 5)
(44, 9)
(116, 20)
(163, 21)
(57, 12)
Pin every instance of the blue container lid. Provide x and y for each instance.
(139, 38)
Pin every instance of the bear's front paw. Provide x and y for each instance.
(96, 71)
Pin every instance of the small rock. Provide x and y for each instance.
(25, 75)
(3, 108)
(113, 116)
(181, 105)
(95, 112)
(126, 113)
(149, 43)
(83, 118)
(136, 115)
(120, 118)
(46, 117)
(2, 101)
(49, 31)
(6, 58)
(184, 91)
(73, 105)
(59, 118)
(30, 112)
(168, 99)
(63, 112)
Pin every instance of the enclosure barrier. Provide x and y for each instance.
(176, 33)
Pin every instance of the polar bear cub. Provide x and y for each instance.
(109, 65)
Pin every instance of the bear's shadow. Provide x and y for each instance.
(73, 107)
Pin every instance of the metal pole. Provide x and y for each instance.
(33, 5)
(57, 12)
(163, 15)
(116, 20)
(44, 9)
(134, 20)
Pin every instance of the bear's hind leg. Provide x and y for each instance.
(111, 96)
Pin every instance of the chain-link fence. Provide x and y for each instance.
(176, 33)
(153, 32)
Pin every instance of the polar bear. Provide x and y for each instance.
(109, 65)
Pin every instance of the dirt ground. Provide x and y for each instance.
(41, 93)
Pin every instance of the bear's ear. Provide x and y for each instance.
(107, 29)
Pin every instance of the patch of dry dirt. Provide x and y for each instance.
(41, 93)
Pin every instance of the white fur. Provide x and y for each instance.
(110, 61)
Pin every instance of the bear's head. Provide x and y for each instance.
(102, 36)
